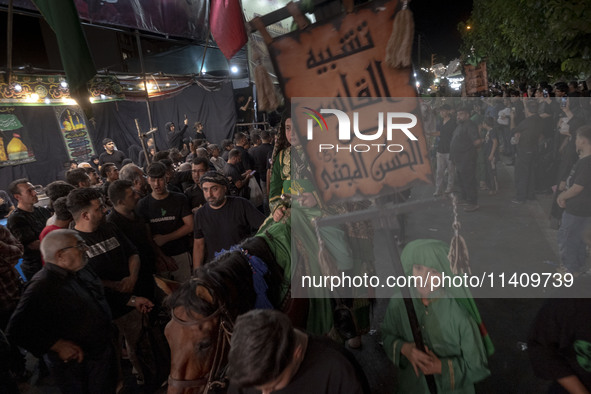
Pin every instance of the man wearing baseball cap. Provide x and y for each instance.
(170, 219)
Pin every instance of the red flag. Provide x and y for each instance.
(227, 26)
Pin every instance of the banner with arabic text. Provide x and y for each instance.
(339, 66)
(73, 128)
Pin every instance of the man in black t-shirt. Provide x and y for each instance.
(446, 131)
(110, 172)
(110, 253)
(169, 217)
(242, 144)
(223, 221)
(175, 137)
(199, 166)
(267, 354)
(116, 262)
(110, 155)
(238, 180)
(528, 134)
(26, 223)
(125, 198)
(490, 147)
(463, 153)
(260, 156)
(576, 200)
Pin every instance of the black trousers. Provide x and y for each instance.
(466, 179)
(525, 180)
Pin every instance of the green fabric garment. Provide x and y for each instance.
(62, 17)
(320, 309)
(449, 324)
(448, 331)
(278, 237)
(281, 172)
(433, 254)
(320, 315)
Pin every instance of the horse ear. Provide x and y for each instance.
(203, 293)
(166, 285)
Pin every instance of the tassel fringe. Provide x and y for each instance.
(266, 96)
(399, 48)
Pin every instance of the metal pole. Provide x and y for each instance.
(204, 52)
(419, 54)
(141, 137)
(9, 43)
(139, 47)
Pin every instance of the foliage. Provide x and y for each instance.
(529, 39)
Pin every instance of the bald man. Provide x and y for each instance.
(63, 314)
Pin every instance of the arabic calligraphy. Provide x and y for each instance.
(350, 44)
(348, 174)
(334, 70)
(384, 164)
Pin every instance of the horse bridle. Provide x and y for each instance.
(216, 378)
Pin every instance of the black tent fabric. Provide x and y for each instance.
(116, 120)
(176, 18)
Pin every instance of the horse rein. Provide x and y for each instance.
(216, 376)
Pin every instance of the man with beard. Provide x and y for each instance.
(125, 198)
(26, 223)
(110, 155)
(463, 154)
(224, 221)
(116, 262)
(134, 174)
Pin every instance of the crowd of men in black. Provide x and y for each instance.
(165, 218)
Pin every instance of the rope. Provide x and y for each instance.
(458, 256)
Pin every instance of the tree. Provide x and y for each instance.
(529, 39)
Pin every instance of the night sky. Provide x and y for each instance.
(436, 22)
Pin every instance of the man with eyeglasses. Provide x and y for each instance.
(63, 315)
(116, 261)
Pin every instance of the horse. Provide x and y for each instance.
(203, 311)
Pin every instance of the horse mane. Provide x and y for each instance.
(229, 280)
(258, 246)
(185, 296)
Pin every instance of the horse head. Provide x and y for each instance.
(198, 335)
(204, 309)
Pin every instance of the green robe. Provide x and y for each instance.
(449, 332)
(278, 237)
(320, 318)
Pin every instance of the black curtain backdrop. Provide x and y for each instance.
(116, 120)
